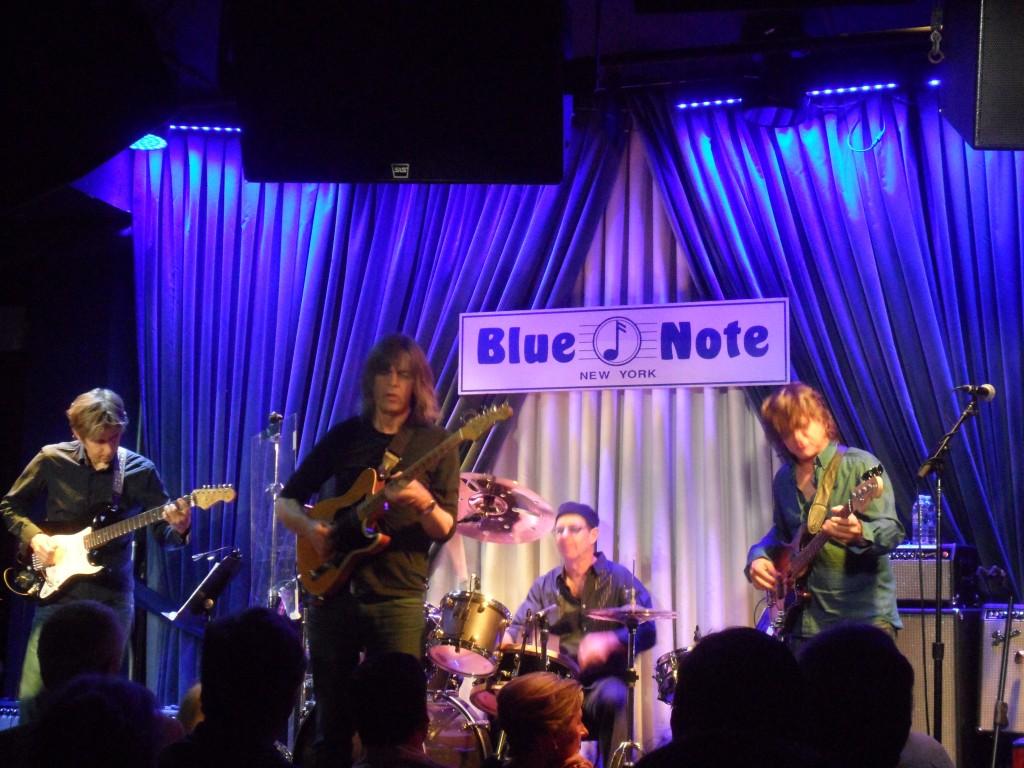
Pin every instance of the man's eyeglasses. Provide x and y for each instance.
(572, 530)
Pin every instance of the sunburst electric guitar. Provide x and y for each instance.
(354, 515)
(74, 551)
(795, 559)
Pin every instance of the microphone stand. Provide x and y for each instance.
(937, 463)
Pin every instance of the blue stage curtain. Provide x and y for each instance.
(901, 251)
(259, 297)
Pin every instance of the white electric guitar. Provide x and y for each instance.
(73, 555)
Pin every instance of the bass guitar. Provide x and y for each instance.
(795, 559)
(354, 515)
(73, 557)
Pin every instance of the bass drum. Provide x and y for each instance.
(456, 736)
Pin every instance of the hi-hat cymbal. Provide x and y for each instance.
(630, 614)
(501, 511)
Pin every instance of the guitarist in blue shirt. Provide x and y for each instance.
(380, 607)
(849, 578)
(78, 479)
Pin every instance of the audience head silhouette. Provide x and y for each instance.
(857, 675)
(390, 701)
(97, 721)
(250, 673)
(80, 637)
(542, 715)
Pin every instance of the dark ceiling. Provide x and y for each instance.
(90, 76)
(625, 43)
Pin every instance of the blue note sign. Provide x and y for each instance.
(727, 343)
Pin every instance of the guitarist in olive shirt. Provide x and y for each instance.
(850, 579)
(77, 479)
(380, 609)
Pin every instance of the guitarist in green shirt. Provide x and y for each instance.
(854, 524)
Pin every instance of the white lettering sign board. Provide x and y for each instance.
(700, 344)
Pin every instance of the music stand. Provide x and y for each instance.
(199, 605)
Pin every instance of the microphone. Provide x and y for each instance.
(543, 612)
(980, 391)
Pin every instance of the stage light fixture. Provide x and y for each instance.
(148, 143)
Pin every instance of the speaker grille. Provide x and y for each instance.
(994, 621)
(959, 674)
(915, 572)
(983, 90)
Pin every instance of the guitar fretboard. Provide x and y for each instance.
(121, 528)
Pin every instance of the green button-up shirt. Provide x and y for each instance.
(845, 582)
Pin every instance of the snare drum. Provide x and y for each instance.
(485, 691)
(666, 673)
(467, 636)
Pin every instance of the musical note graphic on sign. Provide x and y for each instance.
(617, 340)
(611, 354)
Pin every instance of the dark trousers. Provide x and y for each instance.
(605, 715)
(340, 628)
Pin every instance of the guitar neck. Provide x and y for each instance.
(372, 505)
(121, 528)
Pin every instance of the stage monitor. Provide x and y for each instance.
(391, 90)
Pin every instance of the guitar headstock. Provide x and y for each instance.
(484, 420)
(208, 495)
(868, 489)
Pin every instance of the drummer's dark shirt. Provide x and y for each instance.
(342, 454)
(607, 585)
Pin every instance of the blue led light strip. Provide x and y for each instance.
(842, 90)
(206, 128)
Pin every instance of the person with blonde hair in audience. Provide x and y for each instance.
(542, 716)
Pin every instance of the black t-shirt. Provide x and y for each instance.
(347, 450)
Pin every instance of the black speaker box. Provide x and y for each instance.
(993, 629)
(983, 83)
(959, 675)
(915, 570)
(398, 90)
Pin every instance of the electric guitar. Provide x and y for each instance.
(74, 551)
(354, 515)
(795, 559)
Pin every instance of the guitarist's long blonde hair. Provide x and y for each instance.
(788, 407)
(424, 408)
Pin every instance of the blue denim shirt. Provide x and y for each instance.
(845, 582)
(607, 585)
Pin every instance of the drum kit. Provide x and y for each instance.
(465, 631)
(463, 646)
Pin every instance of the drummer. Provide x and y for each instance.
(585, 580)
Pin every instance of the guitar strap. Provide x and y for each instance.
(819, 506)
(122, 459)
(393, 453)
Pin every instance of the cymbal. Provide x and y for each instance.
(629, 614)
(501, 511)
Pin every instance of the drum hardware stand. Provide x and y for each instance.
(629, 750)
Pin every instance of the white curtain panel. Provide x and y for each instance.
(681, 478)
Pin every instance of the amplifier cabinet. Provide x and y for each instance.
(914, 567)
(993, 625)
(959, 675)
